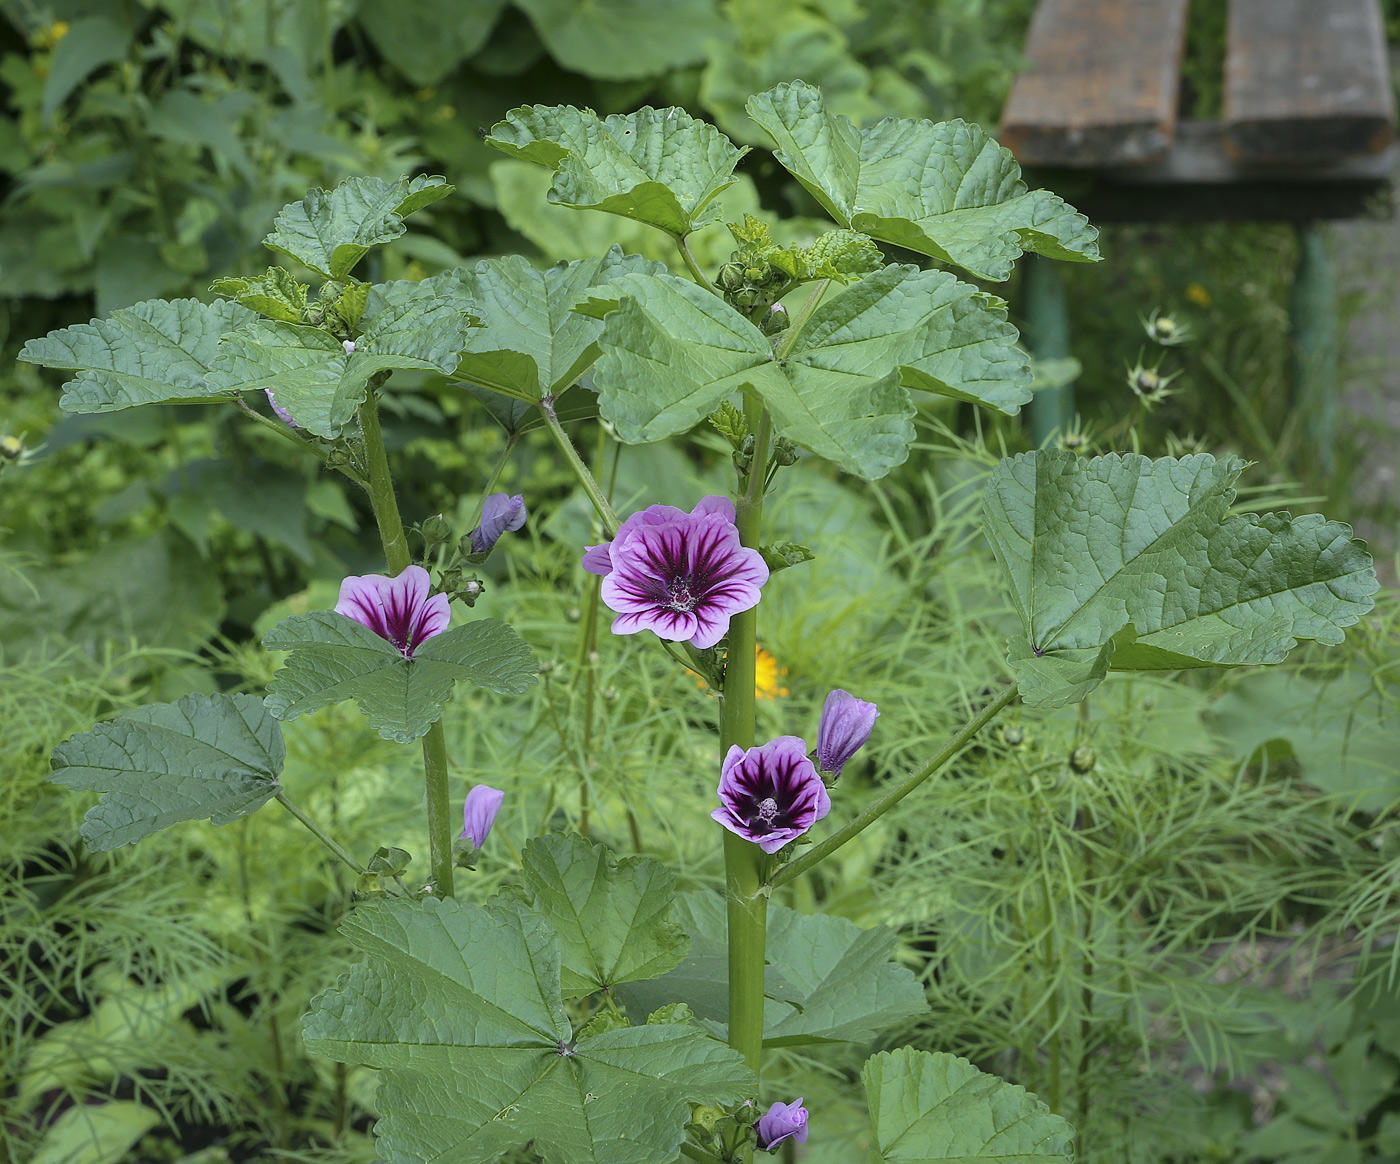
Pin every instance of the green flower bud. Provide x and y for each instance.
(11, 448)
(1083, 759)
(1013, 736)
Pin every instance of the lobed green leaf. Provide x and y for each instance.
(1138, 564)
(335, 658)
(927, 1107)
(623, 40)
(657, 166)
(331, 232)
(459, 1006)
(946, 190)
(156, 352)
(215, 757)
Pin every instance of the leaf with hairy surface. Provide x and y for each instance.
(657, 166)
(532, 343)
(945, 190)
(460, 1007)
(215, 757)
(157, 352)
(928, 1107)
(331, 232)
(335, 658)
(1139, 565)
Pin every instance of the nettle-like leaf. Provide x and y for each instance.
(274, 294)
(671, 352)
(945, 189)
(533, 343)
(205, 756)
(624, 40)
(1134, 564)
(335, 658)
(460, 1007)
(156, 352)
(828, 980)
(931, 1106)
(657, 166)
(418, 325)
(613, 918)
(331, 232)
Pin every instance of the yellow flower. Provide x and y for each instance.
(1198, 295)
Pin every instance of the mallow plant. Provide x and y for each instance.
(587, 1009)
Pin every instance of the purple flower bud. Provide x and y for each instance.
(845, 726)
(770, 794)
(349, 346)
(781, 1121)
(282, 414)
(682, 575)
(479, 814)
(400, 609)
(500, 513)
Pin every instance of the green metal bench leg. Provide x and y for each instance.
(1313, 309)
(1045, 312)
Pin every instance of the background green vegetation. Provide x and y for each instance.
(1170, 914)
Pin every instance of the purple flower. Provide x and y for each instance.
(349, 346)
(479, 814)
(783, 1120)
(682, 575)
(770, 794)
(282, 413)
(500, 513)
(397, 609)
(846, 724)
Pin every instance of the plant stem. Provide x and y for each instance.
(873, 813)
(700, 1154)
(396, 555)
(301, 442)
(693, 267)
(744, 862)
(332, 846)
(585, 478)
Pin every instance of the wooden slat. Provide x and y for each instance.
(1101, 86)
(1200, 182)
(1306, 80)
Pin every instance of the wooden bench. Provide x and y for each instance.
(1305, 136)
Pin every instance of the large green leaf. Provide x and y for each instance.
(533, 343)
(415, 325)
(671, 352)
(156, 352)
(335, 658)
(946, 189)
(460, 1007)
(1137, 564)
(658, 166)
(613, 917)
(331, 232)
(204, 756)
(827, 979)
(102, 1133)
(623, 40)
(427, 39)
(928, 1107)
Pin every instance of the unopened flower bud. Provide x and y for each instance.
(500, 513)
(1082, 759)
(479, 813)
(776, 321)
(845, 726)
(349, 346)
(574, 613)
(1013, 736)
(11, 448)
(784, 452)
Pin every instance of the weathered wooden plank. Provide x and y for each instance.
(1306, 79)
(1200, 182)
(1101, 85)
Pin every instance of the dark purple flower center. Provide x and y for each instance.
(765, 813)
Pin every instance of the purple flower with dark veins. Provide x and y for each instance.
(845, 726)
(771, 794)
(682, 575)
(282, 414)
(781, 1121)
(400, 609)
(479, 813)
(500, 513)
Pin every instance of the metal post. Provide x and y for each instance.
(1316, 346)
(1045, 313)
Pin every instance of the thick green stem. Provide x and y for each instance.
(396, 555)
(585, 478)
(744, 862)
(873, 813)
